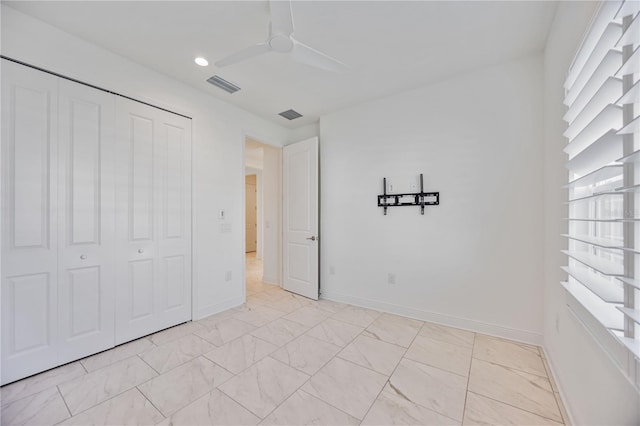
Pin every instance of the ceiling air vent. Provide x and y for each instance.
(225, 85)
(290, 114)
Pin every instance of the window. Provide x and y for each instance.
(602, 95)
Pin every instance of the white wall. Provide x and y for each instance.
(596, 392)
(474, 261)
(219, 131)
(303, 133)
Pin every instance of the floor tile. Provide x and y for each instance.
(514, 387)
(280, 331)
(290, 295)
(287, 304)
(446, 334)
(511, 354)
(214, 408)
(308, 316)
(447, 356)
(329, 305)
(394, 329)
(357, 316)
(346, 386)
(225, 331)
(272, 296)
(207, 322)
(393, 409)
(306, 354)
(177, 352)
(42, 408)
(129, 408)
(254, 301)
(374, 354)
(304, 409)
(43, 381)
(263, 386)
(337, 332)
(430, 387)
(259, 316)
(180, 386)
(116, 354)
(100, 385)
(480, 410)
(239, 354)
(173, 333)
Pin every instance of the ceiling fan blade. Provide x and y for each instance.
(309, 56)
(244, 54)
(281, 17)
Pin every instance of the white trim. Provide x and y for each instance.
(444, 319)
(559, 386)
(216, 308)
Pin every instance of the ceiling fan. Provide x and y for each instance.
(281, 40)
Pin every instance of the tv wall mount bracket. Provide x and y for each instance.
(409, 199)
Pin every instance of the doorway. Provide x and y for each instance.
(287, 200)
(263, 201)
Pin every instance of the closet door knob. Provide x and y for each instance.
(83, 256)
(140, 251)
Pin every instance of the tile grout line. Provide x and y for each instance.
(150, 402)
(311, 376)
(330, 405)
(65, 403)
(157, 372)
(518, 408)
(243, 406)
(196, 398)
(466, 393)
(392, 373)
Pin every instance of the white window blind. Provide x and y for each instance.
(602, 95)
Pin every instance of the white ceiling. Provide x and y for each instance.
(390, 46)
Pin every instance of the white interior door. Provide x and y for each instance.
(300, 218)
(153, 275)
(173, 189)
(29, 221)
(86, 221)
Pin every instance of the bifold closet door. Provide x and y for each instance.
(153, 199)
(29, 221)
(86, 221)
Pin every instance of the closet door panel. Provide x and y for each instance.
(29, 221)
(174, 250)
(136, 222)
(86, 238)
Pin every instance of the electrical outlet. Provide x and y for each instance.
(228, 276)
(413, 187)
(391, 278)
(389, 188)
(332, 270)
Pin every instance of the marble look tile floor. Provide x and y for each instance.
(282, 359)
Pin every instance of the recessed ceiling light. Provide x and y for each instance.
(201, 61)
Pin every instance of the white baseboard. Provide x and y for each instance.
(270, 280)
(567, 407)
(217, 308)
(449, 320)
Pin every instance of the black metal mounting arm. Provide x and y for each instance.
(417, 198)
